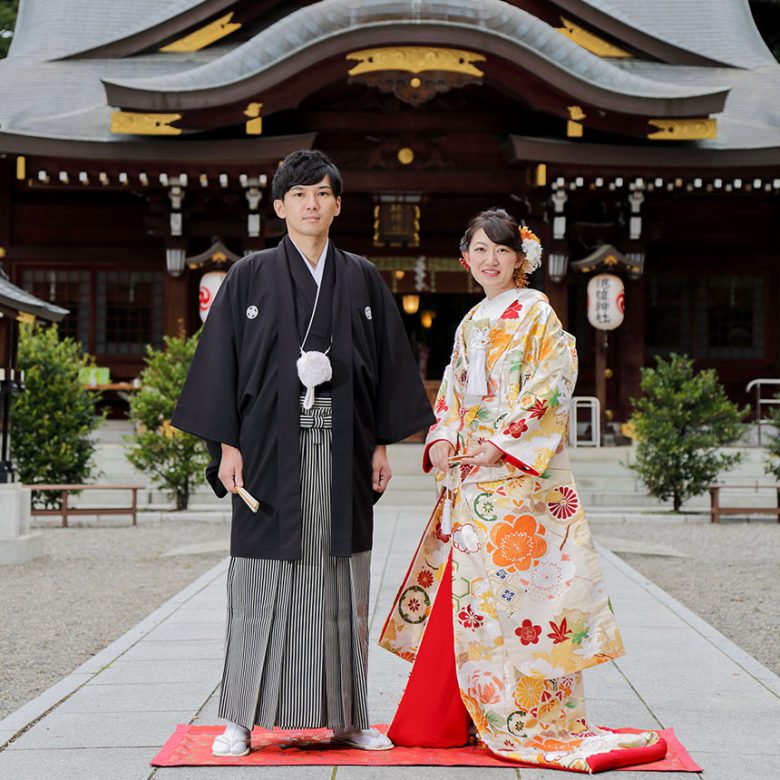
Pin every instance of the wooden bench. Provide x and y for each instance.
(716, 510)
(65, 510)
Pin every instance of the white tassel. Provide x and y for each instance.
(313, 369)
(308, 401)
(476, 385)
(446, 516)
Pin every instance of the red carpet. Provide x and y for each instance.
(191, 746)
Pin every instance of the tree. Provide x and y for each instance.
(8, 11)
(54, 417)
(174, 460)
(681, 421)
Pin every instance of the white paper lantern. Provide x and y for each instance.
(606, 301)
(209, 284)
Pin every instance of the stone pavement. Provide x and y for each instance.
(110, 717)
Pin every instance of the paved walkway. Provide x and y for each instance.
(111, 716)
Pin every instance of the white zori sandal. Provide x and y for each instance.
(362, 739)
(234, 742)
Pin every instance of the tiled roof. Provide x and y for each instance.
(66, 99)
(331, 18)
(51, 29)
(751, 119)
(721, 30)
(20, 300)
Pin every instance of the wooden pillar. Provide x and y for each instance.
(558, 293)
(631, 352)
(600, 353)
(176, 295)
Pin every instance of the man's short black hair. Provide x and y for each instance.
(302, 168)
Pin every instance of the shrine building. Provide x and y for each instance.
(138, 140)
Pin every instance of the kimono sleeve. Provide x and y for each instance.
(401, 406)
(447, 407)
(207, 403)
(531, 433)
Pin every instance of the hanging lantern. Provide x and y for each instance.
(410, 303)
(209, 284)
(606, 301)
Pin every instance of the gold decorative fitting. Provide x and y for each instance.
(205, 36)
(2, 252)
(132, 123)
(589, 41)
(416, 59)
(574, 128)
(25, 317)
(682, 129)
(21, 168)
(405, 155)
(610, 260)
(255, 124)
(541, 175)
(415, 83)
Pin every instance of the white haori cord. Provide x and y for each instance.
(476, 353)
(314, 367)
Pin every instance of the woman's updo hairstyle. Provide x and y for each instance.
(499, 226)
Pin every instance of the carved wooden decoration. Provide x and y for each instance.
(415, 74)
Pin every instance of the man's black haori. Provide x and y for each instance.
(243, 390)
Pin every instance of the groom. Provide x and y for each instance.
(298, 582)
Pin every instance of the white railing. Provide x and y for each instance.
(758, 385)
(591, 404)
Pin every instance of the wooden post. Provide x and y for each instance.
(135, 505)
(714, 503)
(64, 508)
(601, 378)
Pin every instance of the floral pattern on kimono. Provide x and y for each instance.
(530, 608)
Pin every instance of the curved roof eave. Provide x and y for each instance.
(335, 27)
(48, 30)
(716, 32)
(153, 34)
(229, 152)
(696, 156)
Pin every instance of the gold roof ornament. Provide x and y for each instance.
(254, 125)
(682, 129)
(574, 127)
(416, 59)
(205, 36)
(134, 123)
(589, 41)
(415, 74)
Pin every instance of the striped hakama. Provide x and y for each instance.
(297, 631)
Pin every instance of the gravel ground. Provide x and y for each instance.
(731, 579)
(92, 586)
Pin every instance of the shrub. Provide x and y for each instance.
(773, 448)
(174, 460)
(681, 420)
(54, 416)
